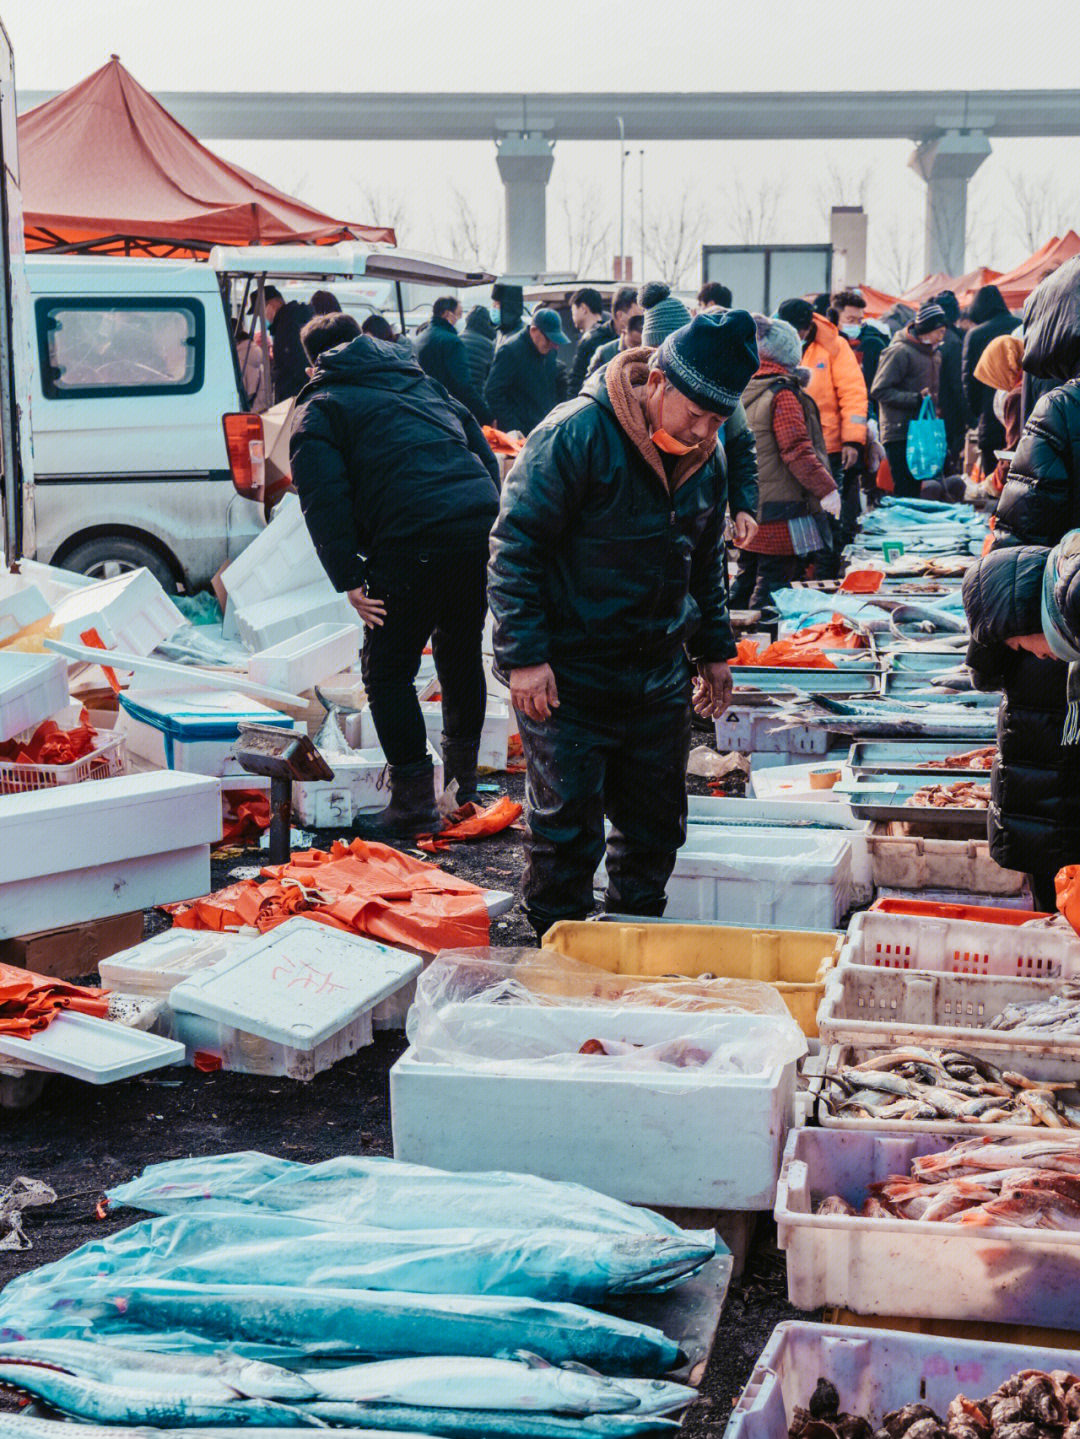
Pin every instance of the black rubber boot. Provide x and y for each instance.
(459, 762)
(411, 810)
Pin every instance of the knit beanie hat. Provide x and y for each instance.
(711, 359)
(778, 341)
(949, 303)
(930, 317)
(799, 313)
(664, 313)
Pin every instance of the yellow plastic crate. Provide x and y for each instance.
(794, 962)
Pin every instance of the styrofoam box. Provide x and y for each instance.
(280, 559)
(875, 1371)
(94, 1050)
(885, 1008)
(244, 1053)
(32, 689)
(360, 785)
(749, 877)
(493, 740)
(195, 731)
(911, 862)
(792, 782)
(21, 608)
(131, 612)
(299, 662)
(789, 813)
(298, 985)
(679, 1137)
(757, 730)
(53, 582)
(156, 965)
(960, 946)
(996, 1274)
(270, 622)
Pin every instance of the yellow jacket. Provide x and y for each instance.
(836, 386)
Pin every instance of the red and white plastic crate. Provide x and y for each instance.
(960, 946)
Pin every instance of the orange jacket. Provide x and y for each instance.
(836, 386)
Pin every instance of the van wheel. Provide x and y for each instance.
(111, 555)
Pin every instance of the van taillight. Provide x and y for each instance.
(247, 456)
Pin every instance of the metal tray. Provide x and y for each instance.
(909, 757)
(849, 681)
(883, 798)
(922, 661)
(905, 685)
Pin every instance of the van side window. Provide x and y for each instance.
(120, 346)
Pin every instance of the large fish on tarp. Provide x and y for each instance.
(259, 1247)
(480, 1424)
(270, 1321)
(386, 1193)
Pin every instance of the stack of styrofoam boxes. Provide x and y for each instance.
(32, 688)
(493, 741)
(191, 729)
(277, 587)
(130, 612)
(87, 851)
(297, 663)
(289, 1003)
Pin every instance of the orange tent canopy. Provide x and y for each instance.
(962, 286)
(105, 167)
(877, 301)
(1017, 284)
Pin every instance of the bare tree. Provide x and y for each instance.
(899, 253)
(1040, 209)
(673, 239)
(378, 206)
(585, 232)
(470, 236)
(752, 212)
(842, 187)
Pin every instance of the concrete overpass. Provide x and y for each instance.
(951, 130)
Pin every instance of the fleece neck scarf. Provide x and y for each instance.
(625, 377)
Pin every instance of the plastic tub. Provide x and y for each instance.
(886, 1008)
(32, 688)
(757, 730)
(1004, 1275)
(943, 909)
(156, 965)
(875, 1372)
(793, 962)
(680, 1137)
(902, 861)
(960, 946)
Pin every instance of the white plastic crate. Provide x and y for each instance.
(301, 661)
(32, 688)
(911, 862)
(886, 1008)
(242, 1053)
(875, 1371)
(627, 1133)
(997, 1274)
(753, 730)
(105, 759)
(750, 877)
(361, 784)
(960, 946)
(131, 612)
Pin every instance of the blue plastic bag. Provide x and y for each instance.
(926, 443)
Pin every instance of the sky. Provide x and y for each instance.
(654, 45)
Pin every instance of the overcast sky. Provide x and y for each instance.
(677, 45)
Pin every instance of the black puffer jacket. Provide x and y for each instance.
(597, 569)
(600, 334)
(386, 463)
(523, 385)
(1034, 822)
(442, 354)
(1041, 499)
(479, 341)
(992, 318)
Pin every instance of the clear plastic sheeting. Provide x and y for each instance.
(487, 1008)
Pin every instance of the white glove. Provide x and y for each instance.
(831, 504)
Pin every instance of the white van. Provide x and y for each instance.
(135, 370)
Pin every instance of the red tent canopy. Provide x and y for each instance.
(877, 301)
(1016, 285)
(962, 286)
(105, 167)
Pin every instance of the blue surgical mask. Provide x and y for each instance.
(495, 313)
(851, 331)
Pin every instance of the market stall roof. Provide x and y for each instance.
(962, 286)
(106, 168)
(344, 261)
(1017, 284)
(877, 301)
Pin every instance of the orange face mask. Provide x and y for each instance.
(663, 441)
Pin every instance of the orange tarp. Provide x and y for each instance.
(473, 822)
(105, 165)
(362, 887)
(29, 1001)
(804, 650)
(1017, 284)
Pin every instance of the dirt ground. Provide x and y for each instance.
(81, 1140)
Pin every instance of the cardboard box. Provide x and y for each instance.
(75, 951)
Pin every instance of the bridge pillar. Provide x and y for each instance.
(525, 161)
(947, 163)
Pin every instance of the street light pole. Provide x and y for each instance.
(622, 198)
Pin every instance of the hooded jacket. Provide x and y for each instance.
(442, 355)
(601, 565)
(479, 341)
(1034, 820)
(600, 334)
(523, 384)
(992, 317)
(907, 368)
(386, 463)
(836, 386)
